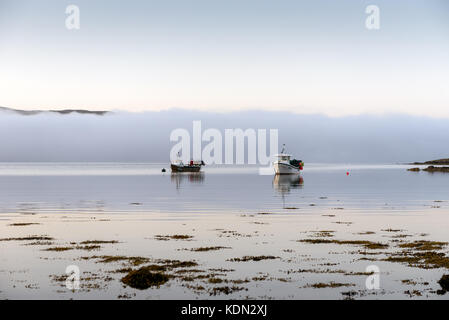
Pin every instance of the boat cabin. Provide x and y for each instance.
(283, 157)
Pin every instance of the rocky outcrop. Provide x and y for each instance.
(436, 169)
(435, 162)
(430, 169)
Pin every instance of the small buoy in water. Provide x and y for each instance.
(347, 173)
(163, 170)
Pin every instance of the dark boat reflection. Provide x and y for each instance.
(191, 177)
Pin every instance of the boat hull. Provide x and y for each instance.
(285, 168)
(175, 168)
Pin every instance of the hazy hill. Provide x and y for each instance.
(66, 111)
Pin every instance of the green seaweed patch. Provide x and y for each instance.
(145, 278)
(252, 258)
(366, 244)
(173, 237)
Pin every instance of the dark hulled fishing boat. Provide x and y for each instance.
(193, 166)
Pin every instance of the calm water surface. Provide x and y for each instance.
(115, 187)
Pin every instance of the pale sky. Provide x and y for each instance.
(227, 55)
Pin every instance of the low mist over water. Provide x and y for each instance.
(136, 137)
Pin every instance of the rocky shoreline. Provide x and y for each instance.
(433, 162)
(432, 167)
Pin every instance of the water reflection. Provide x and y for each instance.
(284, 183)
(191, 177)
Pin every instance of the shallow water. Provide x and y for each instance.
(133, 203)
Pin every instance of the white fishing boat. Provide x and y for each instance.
(286, 165)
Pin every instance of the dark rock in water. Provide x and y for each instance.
(436, 169)
(143, 278)
(163, 170)
(444, 282)
(414, 169)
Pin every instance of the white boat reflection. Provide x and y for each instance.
(284, 183)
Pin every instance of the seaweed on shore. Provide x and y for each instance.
(323, 233)
(331, 284)
(58, 249)
(366, 244)
(423, 260)
(444, 282)
(22, 224)
(110, 259)
(252, 258)
(145, 278)
(173, 237)
(28, 238)
(424, 245)
(225, 290)
(99, 242)
(202, 249)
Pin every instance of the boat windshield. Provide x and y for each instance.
(284, 157)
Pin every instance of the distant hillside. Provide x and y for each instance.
(66, 111)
